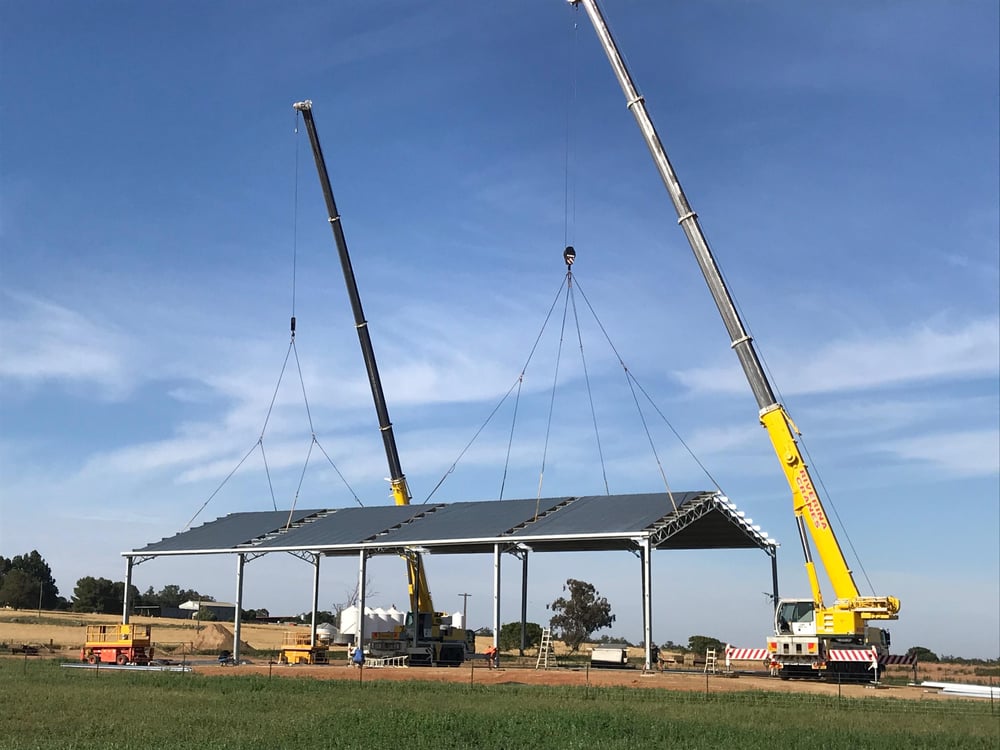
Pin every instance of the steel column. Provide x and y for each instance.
(362, 569)
(237, 616)
(315, 600)
(647, 600)
(524, 602)
(128, 585)
(774, 575)
(496, 595)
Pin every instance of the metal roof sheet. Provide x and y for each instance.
(230, 531)
(606, 514)
(348, 526)
(470, 520)
(702, 520)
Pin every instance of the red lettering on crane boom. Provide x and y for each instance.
(812, 504)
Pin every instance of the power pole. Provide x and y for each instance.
(465, 608)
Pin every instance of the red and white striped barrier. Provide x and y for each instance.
(852, 654)
(898, 659)
(746, 654)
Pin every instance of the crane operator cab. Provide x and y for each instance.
(795, 617)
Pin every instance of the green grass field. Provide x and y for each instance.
(45, 706)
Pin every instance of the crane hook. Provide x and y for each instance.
(569, 255)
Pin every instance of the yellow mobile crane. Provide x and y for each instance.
(810, 637)
(427, 637)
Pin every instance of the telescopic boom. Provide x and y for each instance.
(780, 429)
(420, 597)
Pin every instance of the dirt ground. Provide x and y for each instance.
(61, 634)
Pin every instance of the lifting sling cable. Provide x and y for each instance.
(259, 443)
(314, 441)
(517, 384)
(642, 417)
(569, 219)
(221, 484)
(469, 444)
(270, 409)
(552, 403)
(510, 436)
(586, 373)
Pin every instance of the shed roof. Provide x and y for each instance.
(681, 520)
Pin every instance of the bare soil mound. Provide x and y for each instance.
(213, 637)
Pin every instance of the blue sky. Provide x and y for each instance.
(843, 160)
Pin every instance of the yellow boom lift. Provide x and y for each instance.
(427, 637)
(810, 636)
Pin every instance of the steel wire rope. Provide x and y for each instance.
(569, 201)
(469, 445)
(586, 377)
(517, 383)
(642, 416)
(291, 348)
(204, 504)
(260, 442)
(801, 439)
(298, 364)
(552, 403)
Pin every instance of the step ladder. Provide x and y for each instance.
(711, 663)
(544, 650)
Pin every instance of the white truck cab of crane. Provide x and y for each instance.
(795, 617)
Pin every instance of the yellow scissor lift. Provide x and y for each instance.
(302, 648)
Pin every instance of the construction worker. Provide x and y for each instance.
(492, 657)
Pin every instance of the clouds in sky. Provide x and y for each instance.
(845, 159)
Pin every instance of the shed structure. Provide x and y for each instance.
(640, 523)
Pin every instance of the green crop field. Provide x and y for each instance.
(45, 706)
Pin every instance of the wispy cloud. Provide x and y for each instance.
(927, 353)
(968, 453)
(43, 341)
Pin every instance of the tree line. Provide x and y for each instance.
(26, 582)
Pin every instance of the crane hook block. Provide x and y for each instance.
(293, 325)
(569, 255)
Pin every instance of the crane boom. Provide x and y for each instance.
(420, 596)
(810, 515)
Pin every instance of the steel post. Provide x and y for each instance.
(237, 616)
(647, 600)
(315, 599)
(128, 585)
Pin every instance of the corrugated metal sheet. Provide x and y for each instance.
(348, 526)
(604, 514)
(703, 520)
(229, 531)
(472, 520)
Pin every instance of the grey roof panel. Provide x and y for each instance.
(597, 514)
(347, 526)
(473, 520)
(703, 520)
(229, 531)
